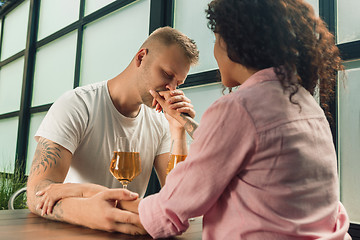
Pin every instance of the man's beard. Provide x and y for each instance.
(147, 99)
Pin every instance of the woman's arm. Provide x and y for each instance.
(222, 143)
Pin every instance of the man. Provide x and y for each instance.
(76, 138)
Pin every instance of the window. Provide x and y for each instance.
(8, 136)
(111, 42)
(190, 18)
(14, 32)
(11, 76)
(54, 69)
(348, 101)
(348, 19)
(349, 139)
(56, 14)
(93, 5)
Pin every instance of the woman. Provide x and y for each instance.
(262, 164)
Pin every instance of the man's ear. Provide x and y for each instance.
(140, 55)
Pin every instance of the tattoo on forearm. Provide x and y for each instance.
(43, 184)
(57, 211)
(190, 125)
(46, 155)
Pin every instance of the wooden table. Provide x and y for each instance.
(21, 224)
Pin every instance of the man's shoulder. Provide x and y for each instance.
(80, 98)
(84, 94)
(89, 89)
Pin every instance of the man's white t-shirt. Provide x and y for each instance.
(85, 121)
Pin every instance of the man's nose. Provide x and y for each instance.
(171, 86)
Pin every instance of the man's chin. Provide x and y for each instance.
(149, 104)
(148, 100)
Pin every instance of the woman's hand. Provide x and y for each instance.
(54, 192)
(99, 212)
(174, 100)
(178, 110)
(131, 206)
(173, 103)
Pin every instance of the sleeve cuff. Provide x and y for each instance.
(156, 222)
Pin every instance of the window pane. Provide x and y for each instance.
(348, 19)
(110, 43)
(8, 136)
(202, 97)
(190, 18)
(15, 30)
(56, 14)
(93, 5)
(54, 69)
(315, 5)
(35, 121)
(349, 139)
(11, 76)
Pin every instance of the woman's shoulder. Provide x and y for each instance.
(228, 108)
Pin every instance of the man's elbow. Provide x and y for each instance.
(32, 186)
(31, 206)
(30, 201)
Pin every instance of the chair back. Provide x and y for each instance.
(14, 196)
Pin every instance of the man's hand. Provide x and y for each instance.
(54, 192)
(176, 105)
(100, 212)
(174, 100)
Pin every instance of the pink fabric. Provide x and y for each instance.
(259, 168)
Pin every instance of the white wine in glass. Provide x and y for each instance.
(126, 163)
(178, 153)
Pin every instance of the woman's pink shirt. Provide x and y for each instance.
(260, 167)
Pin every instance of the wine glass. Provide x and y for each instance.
(178, 153)
(125, 164)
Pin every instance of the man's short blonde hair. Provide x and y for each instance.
(168, 36)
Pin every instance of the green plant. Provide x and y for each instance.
(4, 2)
(10, 183)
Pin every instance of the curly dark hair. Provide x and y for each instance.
(284, 34)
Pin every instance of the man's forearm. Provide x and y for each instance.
(90, 189)
(99, 212)
(56, 192)
(32, 199)
(68, 210)
(64, 210)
